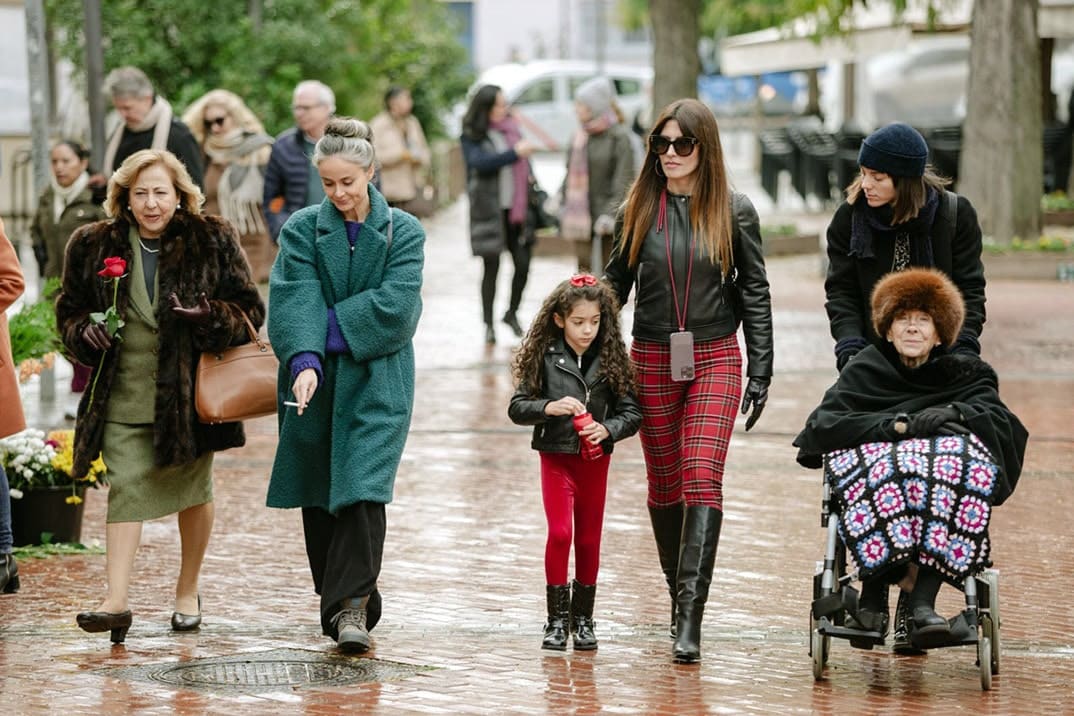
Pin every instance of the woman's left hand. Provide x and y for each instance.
(198, 314)
(756, 393)
(594, 433)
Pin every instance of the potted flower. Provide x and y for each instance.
(45, 497)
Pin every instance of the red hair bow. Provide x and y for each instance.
(583, 279)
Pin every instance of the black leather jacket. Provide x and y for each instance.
(709, 313)
(621, 415)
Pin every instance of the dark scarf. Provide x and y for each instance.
(867, 222)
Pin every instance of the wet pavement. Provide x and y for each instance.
(463, 580)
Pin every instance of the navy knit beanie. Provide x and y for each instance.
(897, 149)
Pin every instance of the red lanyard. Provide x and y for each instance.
(662, 224)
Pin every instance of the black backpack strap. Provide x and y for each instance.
(952, 211)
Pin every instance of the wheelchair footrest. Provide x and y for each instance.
(859, 638)
(963, 631)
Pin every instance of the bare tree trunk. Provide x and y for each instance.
(1001, 169)
(675, 61)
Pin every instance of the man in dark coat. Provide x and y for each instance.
(290, 181)
(147, 124)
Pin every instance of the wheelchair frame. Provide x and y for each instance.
(834, 597)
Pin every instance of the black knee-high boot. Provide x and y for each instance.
(700, 536)
(927, 628)
(667, 529)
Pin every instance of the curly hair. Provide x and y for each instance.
(615, 364)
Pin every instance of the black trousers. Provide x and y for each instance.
(344, 552)
(521, 252)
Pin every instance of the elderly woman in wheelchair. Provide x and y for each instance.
(917, 448)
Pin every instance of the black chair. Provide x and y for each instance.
(777, 156)
(945, 146)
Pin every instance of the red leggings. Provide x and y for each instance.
(687, 426)
(573, 490)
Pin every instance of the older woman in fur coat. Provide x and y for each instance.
(918, 448)
(181, 289)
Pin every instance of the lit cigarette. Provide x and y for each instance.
(291, 404)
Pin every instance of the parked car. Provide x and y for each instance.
(542, 92)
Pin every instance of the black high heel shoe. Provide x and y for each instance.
(512, 322)
(116, 622)
(9, 574)
(187, 622)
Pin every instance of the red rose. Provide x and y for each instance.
(114, 267)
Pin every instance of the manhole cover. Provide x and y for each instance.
(268, 671)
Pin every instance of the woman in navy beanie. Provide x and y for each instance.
(897, 215)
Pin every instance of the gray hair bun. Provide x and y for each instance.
(348, 138)
(349, 127)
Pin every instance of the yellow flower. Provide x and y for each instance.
(74, 500)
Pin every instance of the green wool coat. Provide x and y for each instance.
(347, 444)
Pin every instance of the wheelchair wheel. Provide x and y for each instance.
(990, 624)
(818, 647)
(984, 658)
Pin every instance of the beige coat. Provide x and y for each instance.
(12, 419)
(403, 159)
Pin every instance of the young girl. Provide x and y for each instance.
(572, 363)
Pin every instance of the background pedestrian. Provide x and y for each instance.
(147, 123)
(498, 177)
(600, 168)
(402, 152)
(235, 152)
(290, 180)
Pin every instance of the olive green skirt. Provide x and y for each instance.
(138, 490)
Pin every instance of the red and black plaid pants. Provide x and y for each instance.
(686, 427)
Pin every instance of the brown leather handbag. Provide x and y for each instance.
(238, 383)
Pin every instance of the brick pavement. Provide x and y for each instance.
(463, 578)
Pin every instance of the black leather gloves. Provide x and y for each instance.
(930, 421)
(756, 393)
(847, 348)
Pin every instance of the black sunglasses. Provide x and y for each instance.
(219, 121)
(684, 146)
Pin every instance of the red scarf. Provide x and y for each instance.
(508, 127)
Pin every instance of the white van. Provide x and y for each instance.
(542, 93)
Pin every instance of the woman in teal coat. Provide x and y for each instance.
(345, 297)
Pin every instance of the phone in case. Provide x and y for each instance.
(682, 356)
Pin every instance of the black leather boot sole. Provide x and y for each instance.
(115, 622)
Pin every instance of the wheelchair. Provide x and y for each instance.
(834, 598)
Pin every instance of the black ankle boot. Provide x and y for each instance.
(900, 634)
(667, 529)
(511, 319)
(697, 557)
(490, 334)
(582, 625)
(872, 614)
(927, 628)
(9, 574)
(557, 628)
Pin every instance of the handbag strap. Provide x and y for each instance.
(251, 331)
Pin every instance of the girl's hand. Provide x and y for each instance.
(304, 388)
(567, 405)
(594, 433)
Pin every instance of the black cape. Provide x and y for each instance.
(874, 387)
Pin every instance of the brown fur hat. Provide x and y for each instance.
(919, 289)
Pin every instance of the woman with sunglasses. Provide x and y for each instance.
(235, 153)
(690, 248)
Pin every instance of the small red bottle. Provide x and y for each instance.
(588, 450)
